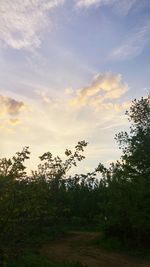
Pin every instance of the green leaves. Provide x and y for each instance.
(139, 113)
(52, 167)
(15, 167)
(127, 182)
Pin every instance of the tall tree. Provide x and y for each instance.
(127, 183)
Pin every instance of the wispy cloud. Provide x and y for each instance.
(121, 6)
(133, 44)
(22, 22)
(52, 102)
(103, 89)
(88, 3)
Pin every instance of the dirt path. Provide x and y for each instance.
(76, 247)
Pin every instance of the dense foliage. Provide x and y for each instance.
(128, 181)
(117, 198)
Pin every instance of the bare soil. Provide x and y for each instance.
(76, 247)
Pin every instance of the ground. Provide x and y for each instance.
(77, 246)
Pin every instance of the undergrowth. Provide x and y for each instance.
(35, 260)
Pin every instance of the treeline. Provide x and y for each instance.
(117, 199)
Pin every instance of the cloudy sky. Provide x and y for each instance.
(68, 71)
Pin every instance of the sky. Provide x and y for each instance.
(69, 70)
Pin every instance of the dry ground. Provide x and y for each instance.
(76, 247)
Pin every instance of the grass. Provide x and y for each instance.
(29, 241)
(46, 234)
(35, 260)
(115, 245)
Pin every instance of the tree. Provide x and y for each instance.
(126, 214)
(135, 145)
(14, 167)
(54, 166)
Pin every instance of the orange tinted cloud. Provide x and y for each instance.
(104, 87)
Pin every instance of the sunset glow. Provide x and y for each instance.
(69, 69)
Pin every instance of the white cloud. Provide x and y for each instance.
(121, 6)
(134, 43)
(22, 22)
(48, 100)
(88, 3)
